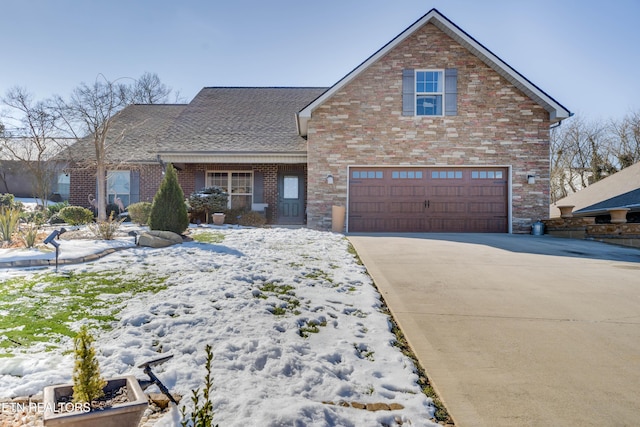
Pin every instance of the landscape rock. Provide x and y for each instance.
(159, 239)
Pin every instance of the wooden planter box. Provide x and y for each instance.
(120, 415)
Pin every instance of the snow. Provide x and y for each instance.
(224, 294)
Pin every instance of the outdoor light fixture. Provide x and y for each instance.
(531, 179)
(51, 240)
(135, 236)
(329, 179)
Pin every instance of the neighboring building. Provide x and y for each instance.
(432, 133)
(620, 190)
(15, 176)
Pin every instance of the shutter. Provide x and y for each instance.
(451, 92)
(134, 187)
(408, 92)
(199, 180)
(258, 187)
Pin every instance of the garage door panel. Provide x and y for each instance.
(406, 207)
(448, 191)
(428, 199)
(367, 207)
(447, 208)
(493, 191)
(486, 208)
(407, 191)
(369, 191)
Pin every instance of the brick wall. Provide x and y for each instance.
(362, 124)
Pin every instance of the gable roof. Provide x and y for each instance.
(620, 190)
(556, 111)
(238, 125)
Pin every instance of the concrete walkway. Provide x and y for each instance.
(517, 330)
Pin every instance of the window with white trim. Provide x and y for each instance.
(429, 92)
(239, 186)
(119, 186)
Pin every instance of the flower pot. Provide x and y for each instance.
(119, 415)
(218, 218)
(566, 211)
(618, 215)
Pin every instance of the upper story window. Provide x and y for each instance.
(429, 92)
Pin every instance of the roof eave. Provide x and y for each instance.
(235, 157)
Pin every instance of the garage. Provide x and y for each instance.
(422, 199)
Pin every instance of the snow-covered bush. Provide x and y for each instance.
(209, 200)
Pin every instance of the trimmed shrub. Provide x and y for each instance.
(252, 219)
(76, 215)
(169, 210)
(208, 200)
(139, 212)
(55, 208)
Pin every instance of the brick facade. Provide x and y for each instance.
(362, 124)
(83, 181)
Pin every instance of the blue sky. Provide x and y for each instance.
(585, 54)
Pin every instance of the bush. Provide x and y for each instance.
(139, 212)
(30, 235)
(169, 210)
(232, 216)
(76, 215)
(252, 219)
(87, 382)
(35, 217)
(6, 200)
(209, 199)
(8, 222)
(55, 208)
(202, 413)
(106, 230)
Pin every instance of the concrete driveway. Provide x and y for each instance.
(517, 330)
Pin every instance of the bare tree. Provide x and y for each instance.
(33, 144)
(579, 157)
(89, 112)
(625, 140)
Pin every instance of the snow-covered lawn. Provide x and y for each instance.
(293, 319)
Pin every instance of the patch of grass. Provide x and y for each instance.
(208, 237)
(282, 292)
(441, 415)
(318, 274)
(42, 308)
(364, 352)
(311, 327)
(353, 252)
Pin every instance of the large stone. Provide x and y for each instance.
(159, 239)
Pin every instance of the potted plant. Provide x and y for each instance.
(91, 400)
(210, 199)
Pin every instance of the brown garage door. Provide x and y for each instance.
(469, 200)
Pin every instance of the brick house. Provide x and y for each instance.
(431, 133)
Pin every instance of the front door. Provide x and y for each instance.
(291, 198)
